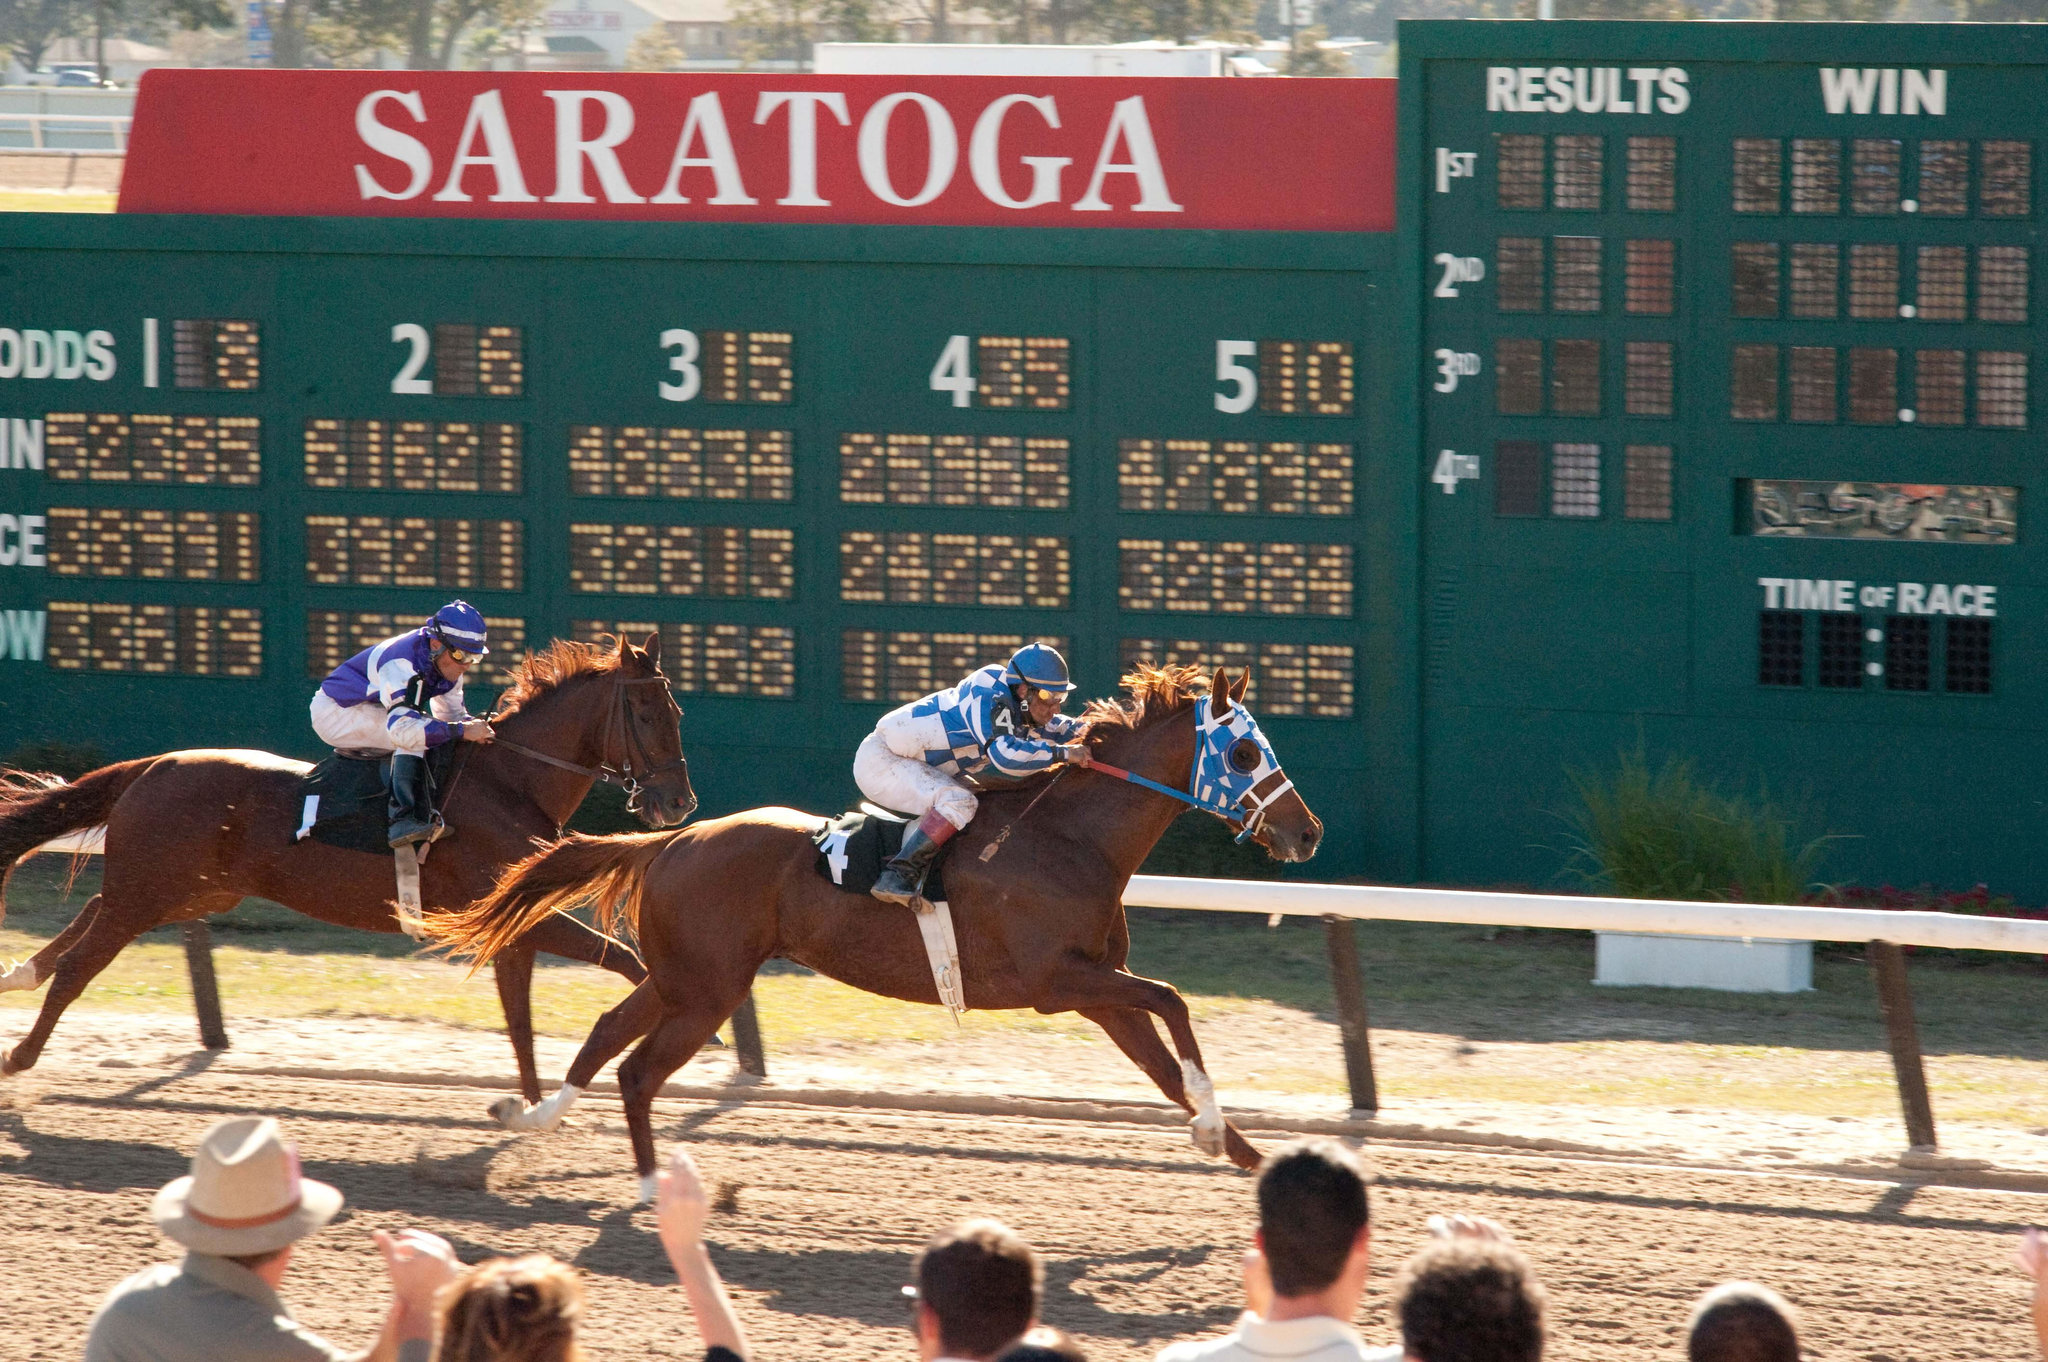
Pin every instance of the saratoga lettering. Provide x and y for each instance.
(953, 150)
(1127, 148)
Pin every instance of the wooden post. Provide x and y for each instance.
(1352, 1022)
(746, 1038)
(213, 1032)
(1895, 999)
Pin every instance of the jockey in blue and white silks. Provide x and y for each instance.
(1002, 722)
(403, 696)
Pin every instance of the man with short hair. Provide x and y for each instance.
(978, 1286)
(1742, 1322)
(1306, 1276)
(1470, 1298)
(239, 1215)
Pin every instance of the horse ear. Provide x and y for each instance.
(653, 647)
(1243, 684)
(624, 647)
(1219, 695)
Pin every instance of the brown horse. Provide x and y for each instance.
(1040, 922)
(191, 833)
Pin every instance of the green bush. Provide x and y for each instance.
(1668, 835)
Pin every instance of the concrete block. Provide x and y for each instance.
(1731, 963)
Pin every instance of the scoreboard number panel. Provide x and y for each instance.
(183, 640)
(682, 463)
(415, 456)
(893, 666)
(334, 636)
(158, 545)
(748, 660)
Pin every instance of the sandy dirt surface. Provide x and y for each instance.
(1141, 1234)
(1255, 1052)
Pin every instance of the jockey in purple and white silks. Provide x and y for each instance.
(403, 696)
(1002, 722)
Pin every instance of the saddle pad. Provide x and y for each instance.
(354, 794)
(853, 848)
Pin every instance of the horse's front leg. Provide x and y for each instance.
(1119, 1002)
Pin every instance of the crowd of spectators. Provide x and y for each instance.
(1469, 1295)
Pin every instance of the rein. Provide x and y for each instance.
(624, 775)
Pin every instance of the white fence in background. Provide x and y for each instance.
(63, 134)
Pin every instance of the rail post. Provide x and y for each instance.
(746, 1038)
(1895, 1000)
(1352, 1022)
(213, 1032)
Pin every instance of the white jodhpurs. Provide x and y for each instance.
(907, 785)
(352, 725)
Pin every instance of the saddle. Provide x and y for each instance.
(853, 848)
(345, 800)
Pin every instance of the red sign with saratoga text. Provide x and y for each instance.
(980, 151)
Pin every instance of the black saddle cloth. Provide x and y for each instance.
(853, 848)
(354, 812)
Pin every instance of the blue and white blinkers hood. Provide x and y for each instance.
(1236, 774)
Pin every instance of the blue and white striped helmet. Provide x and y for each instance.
(1040, 666)
(460, 625)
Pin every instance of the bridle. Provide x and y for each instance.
(1208, 794)
(631, 773)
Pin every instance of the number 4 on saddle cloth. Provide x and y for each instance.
(853, 848)
(345, 800)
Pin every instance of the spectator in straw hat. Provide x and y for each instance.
(238, 1216)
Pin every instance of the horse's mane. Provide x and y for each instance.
(544, 671)
(1156, 693)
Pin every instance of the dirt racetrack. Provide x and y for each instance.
(1141, 1234)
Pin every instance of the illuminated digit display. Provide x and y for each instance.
(222, 451)
(1022, 373)
(1234, 476)
(217, 354)
(1311, 680)
(892, 666)
(193, 546)
(747, 366)
(713, 659)
(335, 636)
(1307, 378)
(954, 470)
(917, 568)
(414, 456)
(186, 640)
(663, 461)
(479, 361)
(683, 560)
(414, 551)
(1234, 578)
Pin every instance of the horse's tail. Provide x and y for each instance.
(608, 872)
(36, 807)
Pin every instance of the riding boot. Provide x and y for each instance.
(904, 875)
(412, 801)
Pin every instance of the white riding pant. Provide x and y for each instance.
(356, 725)
(907, 784)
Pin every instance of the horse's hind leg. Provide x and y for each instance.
(111, 929)
(34, 970)
(513, 970)
(633, 1017)
(677, 1036)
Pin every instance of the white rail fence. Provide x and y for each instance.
(62, 134)
(1339, 905)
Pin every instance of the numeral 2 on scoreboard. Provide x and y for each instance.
(408, 380)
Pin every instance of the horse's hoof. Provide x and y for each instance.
(506, 1111)
(1208, 1138)
(650, 1187)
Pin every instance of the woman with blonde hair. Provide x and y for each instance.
(527, 1309)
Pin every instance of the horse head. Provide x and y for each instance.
(1235, 768)
(648, 747)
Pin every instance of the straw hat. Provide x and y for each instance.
(245, 1194)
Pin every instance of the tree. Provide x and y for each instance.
(1309, 58)
(653, 50)
(29, 27)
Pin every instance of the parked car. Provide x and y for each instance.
(74, 77)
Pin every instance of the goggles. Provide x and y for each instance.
(462, 655)
(1058, 697)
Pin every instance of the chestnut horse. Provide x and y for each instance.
(1040, 921)
(191, 833)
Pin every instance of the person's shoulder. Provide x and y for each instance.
(1218, 1349)
(1389, 1354)
(133, 1291)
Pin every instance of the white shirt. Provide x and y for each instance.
(1316, 1338)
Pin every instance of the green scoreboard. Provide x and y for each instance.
(1658, 382)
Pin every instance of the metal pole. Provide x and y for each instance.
(1352, 1023)
(1895, 999)
(746, 1038)
(213, 1032)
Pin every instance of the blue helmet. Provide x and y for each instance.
(1038, 665)
(460, 625)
